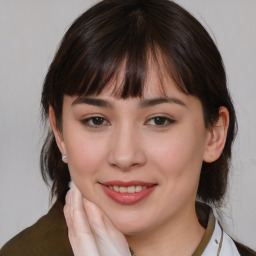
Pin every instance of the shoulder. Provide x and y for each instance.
(216, 239)
(236, 248)
(244, 250)
(48, 236)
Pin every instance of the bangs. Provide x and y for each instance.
(112, 48)
(122, 76)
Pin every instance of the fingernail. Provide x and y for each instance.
(71, 184)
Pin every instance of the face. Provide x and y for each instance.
(138, 159)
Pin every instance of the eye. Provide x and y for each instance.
(160, 121)
(95, 121)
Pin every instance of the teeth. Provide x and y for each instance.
(138, 188)
(130, 189)
(123, 190)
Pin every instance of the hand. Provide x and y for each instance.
(90, 231)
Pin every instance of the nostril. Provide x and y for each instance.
(126, 160)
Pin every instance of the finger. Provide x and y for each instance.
(67, 209)
(80, 221)
(98, 219)
(94, 215)
(109, 239)
(68, 213)
(79, 232)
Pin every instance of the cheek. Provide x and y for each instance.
(179, 158)
(85, 158)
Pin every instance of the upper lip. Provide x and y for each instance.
(120, 183)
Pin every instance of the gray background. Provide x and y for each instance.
(30, 31)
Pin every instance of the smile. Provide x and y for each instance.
(128, 193)
(130, 189)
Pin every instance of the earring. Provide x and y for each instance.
(64, 157)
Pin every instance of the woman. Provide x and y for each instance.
(143, 124)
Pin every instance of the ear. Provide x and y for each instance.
(57, 134)
(217, 137)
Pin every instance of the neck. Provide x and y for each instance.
(179, 236)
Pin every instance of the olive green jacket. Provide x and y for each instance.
(49, 235)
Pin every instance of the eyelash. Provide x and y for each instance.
(167, 121)
(91, 119)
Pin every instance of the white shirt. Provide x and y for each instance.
(227, 247)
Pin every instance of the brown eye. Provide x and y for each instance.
(95, 122)
(160, 121)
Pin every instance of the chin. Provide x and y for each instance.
(130, 219)
(129, 229)
(130, 224)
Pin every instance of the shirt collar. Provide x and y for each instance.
(207, 220)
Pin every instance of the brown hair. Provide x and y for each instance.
(114, 32)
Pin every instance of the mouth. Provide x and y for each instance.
(128, 192)
(130, 189)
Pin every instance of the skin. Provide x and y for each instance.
(129, 143)
(91, 232)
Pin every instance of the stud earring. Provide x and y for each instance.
(63, 157)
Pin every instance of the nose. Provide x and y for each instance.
(126, 149)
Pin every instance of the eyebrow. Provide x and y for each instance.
(155, 101)
(92, 101)
(144, 103)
